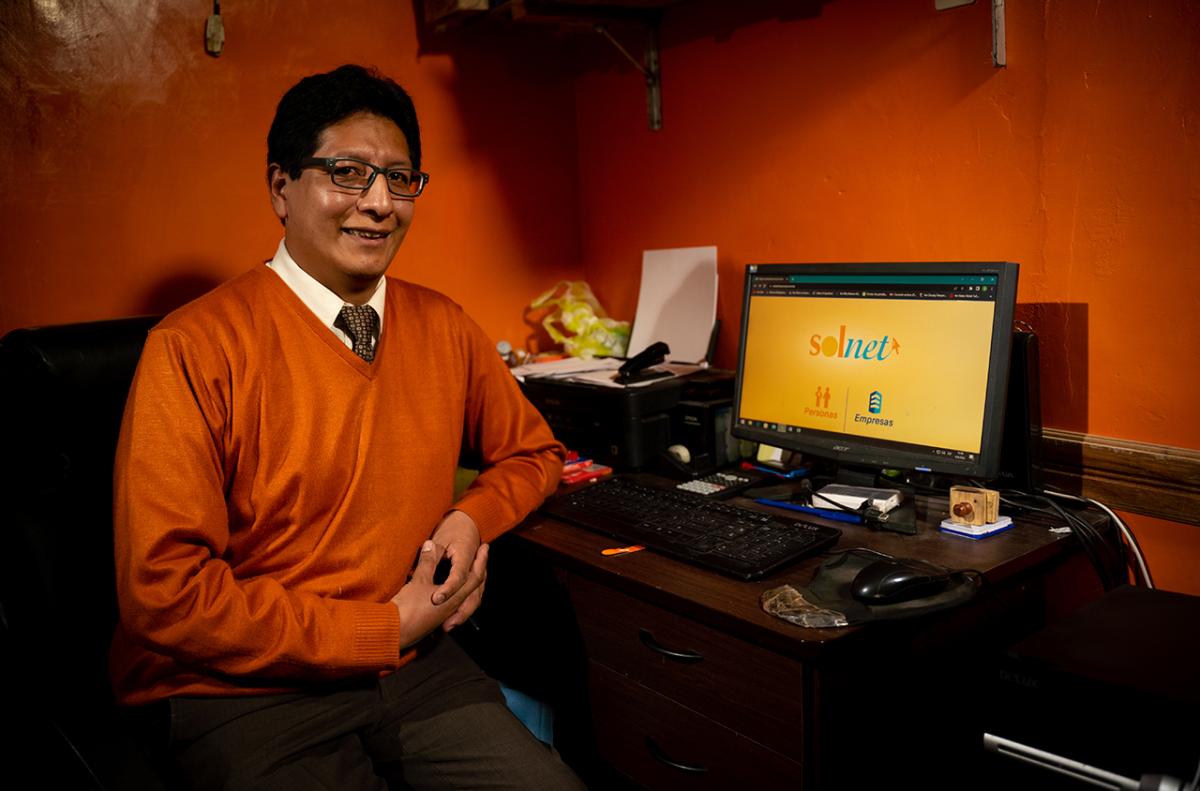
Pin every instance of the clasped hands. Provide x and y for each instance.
(424, 604)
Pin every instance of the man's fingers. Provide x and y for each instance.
(427, 560)
(454, 581)
(458, 533)
(471, 603)
(459, 574)
(479, 567)
(466, 609)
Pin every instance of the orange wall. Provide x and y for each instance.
(878, 130)
(131, 168)
(132, 172)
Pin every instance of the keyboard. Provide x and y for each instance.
(692, 527)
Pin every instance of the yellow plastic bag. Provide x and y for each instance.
(579, 323)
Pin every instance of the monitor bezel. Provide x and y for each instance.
(845, 449)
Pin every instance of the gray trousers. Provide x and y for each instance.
(437, 723)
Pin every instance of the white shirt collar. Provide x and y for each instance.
(320, 300)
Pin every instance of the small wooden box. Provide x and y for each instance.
(970, 505)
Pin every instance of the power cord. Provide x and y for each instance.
(1141, 569)
(1110, 560)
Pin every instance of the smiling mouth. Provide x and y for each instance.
(364, 234)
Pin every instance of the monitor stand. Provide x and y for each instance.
(856, 475)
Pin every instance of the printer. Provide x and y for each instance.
(628, 420)
(630, 428)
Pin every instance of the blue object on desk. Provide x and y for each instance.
(798, 472)
(824, 513)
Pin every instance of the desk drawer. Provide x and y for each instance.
(660, 744)
(749, 689)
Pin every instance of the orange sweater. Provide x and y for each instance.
(273, 489)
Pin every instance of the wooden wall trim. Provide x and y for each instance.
(1155, 480)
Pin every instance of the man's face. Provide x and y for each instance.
(345, 238)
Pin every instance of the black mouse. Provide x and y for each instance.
(893, 581)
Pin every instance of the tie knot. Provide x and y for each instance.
(360, 322)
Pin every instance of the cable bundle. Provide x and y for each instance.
(1110, 558)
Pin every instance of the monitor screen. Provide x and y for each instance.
(901, 366)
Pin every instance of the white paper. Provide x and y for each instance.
(608, 378)
(597, 371)
(565, 368)
(677, 302)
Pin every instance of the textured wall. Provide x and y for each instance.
(878, 130)
(132, 172)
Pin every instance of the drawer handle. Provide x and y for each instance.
(679, 656)
(657, 754)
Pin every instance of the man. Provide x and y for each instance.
(284, 491)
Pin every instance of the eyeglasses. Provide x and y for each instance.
(355, 174)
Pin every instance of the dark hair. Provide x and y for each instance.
(322, 100)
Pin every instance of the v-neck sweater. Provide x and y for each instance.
(273, 489)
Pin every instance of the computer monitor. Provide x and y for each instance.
(881, 365)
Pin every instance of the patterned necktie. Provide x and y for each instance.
(360, 323)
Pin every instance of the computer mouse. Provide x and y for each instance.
(893, 581)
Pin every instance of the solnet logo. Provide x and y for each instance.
(840, 345)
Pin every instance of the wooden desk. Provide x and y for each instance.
(692, 685)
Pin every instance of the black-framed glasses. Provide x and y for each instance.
(357, 174)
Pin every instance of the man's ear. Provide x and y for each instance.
(277, 182)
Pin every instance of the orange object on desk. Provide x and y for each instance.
(622, 550)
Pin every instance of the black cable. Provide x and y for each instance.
(1024, 501)
(1108, 558)
(1091, 542)
(946, 571)
(872, 517)
(1118, 556)
(1127, 541)
(1099, 550)
(883, 555)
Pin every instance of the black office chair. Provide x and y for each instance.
(62, 394)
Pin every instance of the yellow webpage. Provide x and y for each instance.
(894, 369)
